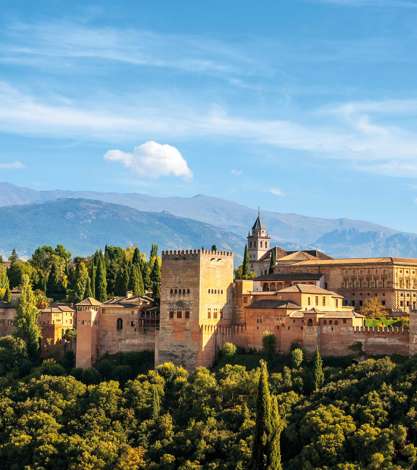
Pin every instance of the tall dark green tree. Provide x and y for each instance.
(27, 326)
(263, 422)
(136, 280)
(245, 264)
(81, 280)
(156, 403)
(93, 276)
(101, 279)
(273, 261)
(122, 280)
(88, 290)
(56, 285)
(274, 445)
(318, 374)
(136, 259)
(156, 280)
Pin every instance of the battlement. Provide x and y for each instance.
(194, 253)
(387, 330)
(232, 330)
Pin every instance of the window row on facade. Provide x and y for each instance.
(214, 314)
(179, 314)
(215, 291)
(179, 291)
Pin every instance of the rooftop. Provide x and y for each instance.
(307, 289)
(290, 277)
(89, 301)
(341, 261)
(272, 303)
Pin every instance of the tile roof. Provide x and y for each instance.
(89, 301)
(307, 289)
(296, 276)
(341, 261)
(272, 303)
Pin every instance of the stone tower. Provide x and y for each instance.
(258, 242)
(196, 297)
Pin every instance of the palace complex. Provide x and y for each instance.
(301, 297)
(304, 297)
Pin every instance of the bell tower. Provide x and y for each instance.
(258, 242)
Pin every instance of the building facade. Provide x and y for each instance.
(122, 324)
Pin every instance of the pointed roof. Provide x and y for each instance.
(258, 223)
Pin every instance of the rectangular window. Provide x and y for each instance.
(317, 300)
(187, 314)
(171, 315)
(324, 301)
(215, 315)
(209, 314)
(179, 314)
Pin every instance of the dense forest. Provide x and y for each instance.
(287, 412)
(54, 274)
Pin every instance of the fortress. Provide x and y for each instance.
(302, 297)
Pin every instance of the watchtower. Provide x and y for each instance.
(196, 290)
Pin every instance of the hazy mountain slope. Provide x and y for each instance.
(231, 216)
(338, 237)
(85, 225)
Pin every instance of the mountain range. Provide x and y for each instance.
(86, 220)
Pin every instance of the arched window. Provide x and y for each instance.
(119, 324)
(310, 322)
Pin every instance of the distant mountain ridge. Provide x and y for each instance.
(337, 237)
(84, 225)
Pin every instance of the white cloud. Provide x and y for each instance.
(358, 132)
(75, 41)
(16, 165)
(153, 160)
(277, 192)
(236, 172)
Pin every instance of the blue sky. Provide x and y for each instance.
(305, 106)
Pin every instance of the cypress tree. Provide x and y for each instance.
(156, 403)
(263, 421)
(146, 276)
(273, 261)
(274, 447)
(88, 291)
(318, 374)
(156, 280)
(136, 257)
(137, 281)
(7, 295)
(55, 287)
(245, 264)
(101, 280)
(81, 281)
(27, 326)
(93, 280)
(4, 281)
(122, 280)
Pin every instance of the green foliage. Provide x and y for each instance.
(269, 344)
(266, 453)
(318, 373)
(245, 263)
(27, 327)
(297, 357)
(228, 350)
(100, 277)
(156, 280)
(13, 353)
(137, 285)
(364, 417)
(4, 283)
(272, 261)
